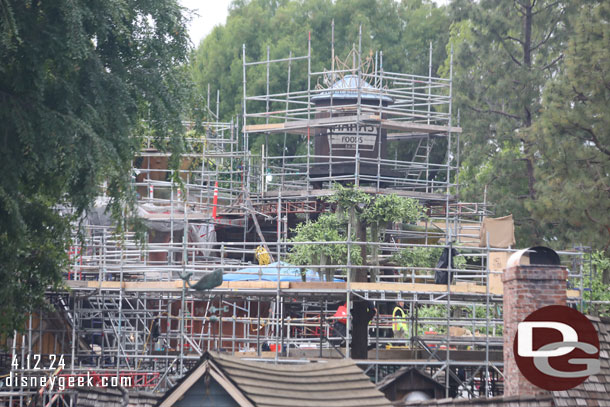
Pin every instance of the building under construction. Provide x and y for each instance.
(132, 310)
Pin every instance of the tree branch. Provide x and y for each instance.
(554, 26)
(595, 140)
(501, 113)
(553, 62)
(545, 8)
(580, 96)
(514, 39)
(607, 227)
(515, 60)
(519, 9)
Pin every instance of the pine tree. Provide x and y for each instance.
(574, 136)
(505, 53)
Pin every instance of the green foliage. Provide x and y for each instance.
(348, 197)
(373, 211)
(376, 209)
(392, 208)
(439, 313)
(505, 52)
(433, 312)
(327, 228)
(80, 83)
(600, 273)
(424, 257)
(574, 136)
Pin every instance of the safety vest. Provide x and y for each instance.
(262, 255)
(399, 320)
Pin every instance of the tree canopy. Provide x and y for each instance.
(362, 211)
(80, 83)
(574, 135)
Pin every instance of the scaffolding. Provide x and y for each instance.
(129, 313)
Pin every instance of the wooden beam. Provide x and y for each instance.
(408, 126)
(303, 193)
(170, 286)
(176, 286)
(298, 126)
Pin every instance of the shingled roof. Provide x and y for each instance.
(594, 392)
(513, 401)
(335, 383)
(113, 397)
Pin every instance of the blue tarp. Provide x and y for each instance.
(288, 272)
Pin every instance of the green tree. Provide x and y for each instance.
(327, 228)
(381, 213)
(415, 257)
(574, 136)
(77, 80)
(505, 52)
(358, 211)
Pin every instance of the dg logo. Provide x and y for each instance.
(556, 348)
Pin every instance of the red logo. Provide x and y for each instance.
(556, 348)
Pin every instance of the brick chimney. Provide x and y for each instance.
(533, 279)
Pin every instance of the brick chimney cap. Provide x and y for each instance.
(538, 255)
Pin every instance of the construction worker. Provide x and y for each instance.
(339, 326)
(400, 327)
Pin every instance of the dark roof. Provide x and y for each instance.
(514, 401)
(112, 397)
(334, 383)
(391, 378)
(595, 391)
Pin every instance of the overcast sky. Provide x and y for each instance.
(212, 13)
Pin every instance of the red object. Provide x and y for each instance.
(342, 314)
(272, 347)
(215, 202)
(75, 257)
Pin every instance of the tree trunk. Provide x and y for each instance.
(323, 271)
(374, 251)
(527, 122)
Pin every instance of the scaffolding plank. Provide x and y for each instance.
(299, 126)
(408, 126)
(170, 286)
(176, 286)
(304, 193)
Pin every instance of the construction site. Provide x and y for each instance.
(132, 310)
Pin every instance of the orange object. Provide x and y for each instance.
(215, 202)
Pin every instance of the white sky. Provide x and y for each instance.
(214, 12)
(211, 13)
